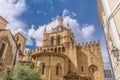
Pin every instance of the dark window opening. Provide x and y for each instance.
(43, 67)
(59, 50)
(55, 50)
(2, 49)
(52, 41)
(52, 49)
(58, 40)
(82, 68)
(93, 70)
(57, 70)
(63, 49)
(44, 50)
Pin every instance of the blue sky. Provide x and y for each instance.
(31, 16)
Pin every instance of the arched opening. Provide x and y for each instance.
(59, 50)
(44, 50)
(57, 70)
(93, 70)
(52, 41)
(55, 49)
(63, 49)
(58, 40)
(51, 49)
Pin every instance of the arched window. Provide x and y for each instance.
(52, 41)
(2, 48)
(58, 40)
(93, 69)
(57, 70)
(55, 49)
(59, 50)
(43, 68)
(51, 49)
(63, 49)
(44, 50)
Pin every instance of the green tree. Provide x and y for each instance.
(24, 72)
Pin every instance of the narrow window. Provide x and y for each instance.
(2, 49)
(52, 41)
(58, 40)
(93, 70)
(57, 70)
(43, 67)
(82, 68)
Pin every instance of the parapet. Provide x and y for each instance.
(89, 45)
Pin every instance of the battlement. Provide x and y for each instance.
(89, 45)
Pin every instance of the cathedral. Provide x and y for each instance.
(60, 57)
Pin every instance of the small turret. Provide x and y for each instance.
(60, 22)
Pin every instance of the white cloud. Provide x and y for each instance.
(11, 10)
(87, 31)
(74, 14)
(37, 34)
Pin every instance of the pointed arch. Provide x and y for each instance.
(52, 40)
(93, 71)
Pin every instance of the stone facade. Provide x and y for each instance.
(109, 17)
(61, 58)
(10, 53)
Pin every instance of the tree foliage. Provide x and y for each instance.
(23, 72)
